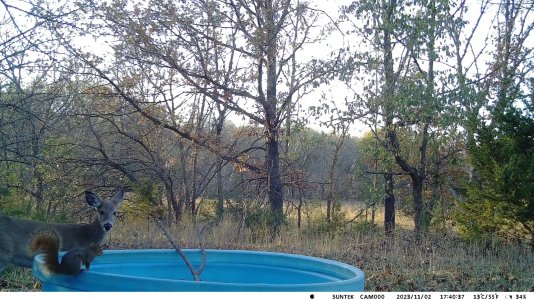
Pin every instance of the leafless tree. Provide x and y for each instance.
(237, 54)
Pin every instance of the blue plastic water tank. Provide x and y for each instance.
(226, 270)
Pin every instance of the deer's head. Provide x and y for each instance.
(106, 208)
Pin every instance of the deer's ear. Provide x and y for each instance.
(92, 199)
(118, 197)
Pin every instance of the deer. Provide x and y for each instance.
(16, 234)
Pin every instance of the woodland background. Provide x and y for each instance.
(242, 116)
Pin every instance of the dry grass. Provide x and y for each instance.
(18, 280)
(438, 262)
(401, 220)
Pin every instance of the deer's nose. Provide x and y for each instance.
(107, 226)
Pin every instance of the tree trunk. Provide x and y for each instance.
(389, 203)
(218, 138)
(435, 197)
(418, 205)
(330, 196)
(220, 200)
(299, 212)
(185, 194)
(175, 205)
(274, 180)
(275, 192)
(194, 187)
(389, 94)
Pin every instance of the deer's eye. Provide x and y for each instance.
(101, 212)
(114, 213)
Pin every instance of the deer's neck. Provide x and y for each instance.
(96, 232)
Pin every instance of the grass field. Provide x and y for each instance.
(437, 262)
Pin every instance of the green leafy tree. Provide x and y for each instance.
(407, 93)
(503, 190)
(502, 151)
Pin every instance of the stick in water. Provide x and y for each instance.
(196, 276)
